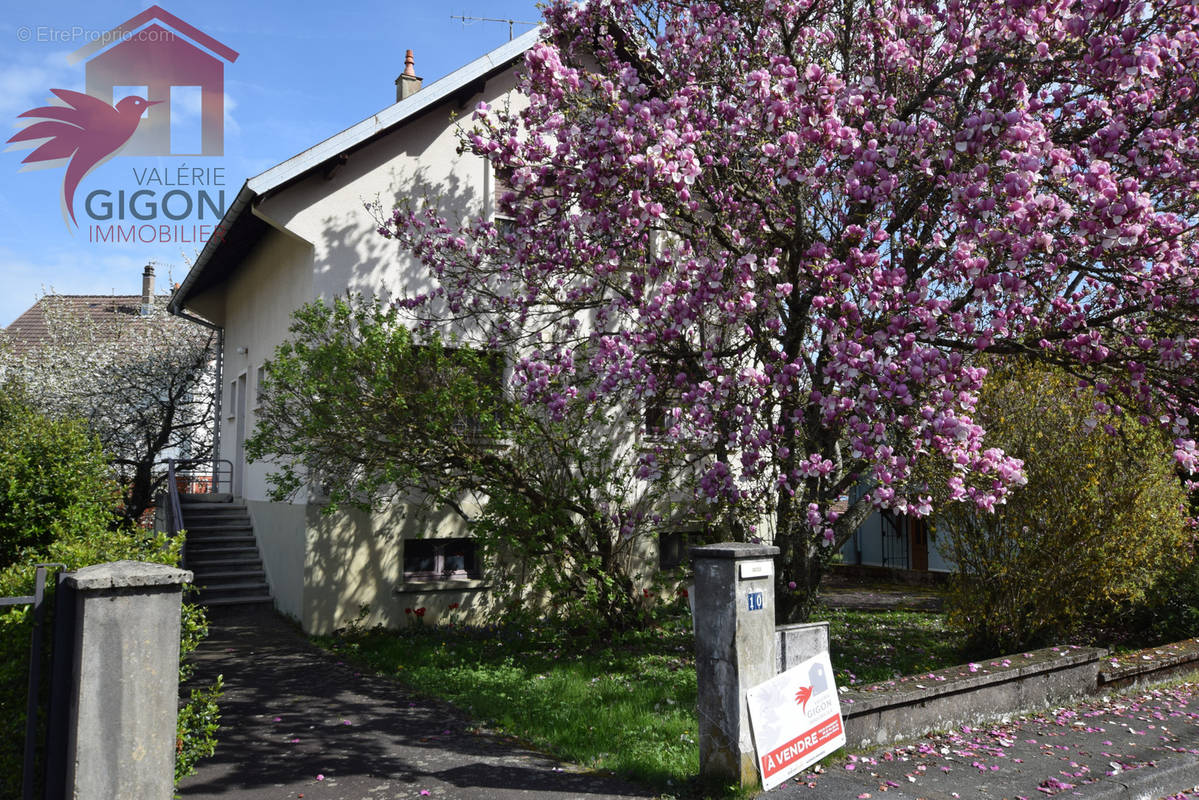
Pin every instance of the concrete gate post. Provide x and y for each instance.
(125, 681)
(734, 651)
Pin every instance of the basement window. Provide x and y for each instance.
(673, 547)
(441, 560)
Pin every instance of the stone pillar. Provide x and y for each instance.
(734, 651)
(125, 681)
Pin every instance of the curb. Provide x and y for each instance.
(1149, 783)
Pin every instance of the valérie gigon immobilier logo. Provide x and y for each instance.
(155, 87)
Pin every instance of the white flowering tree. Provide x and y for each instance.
(142, 382)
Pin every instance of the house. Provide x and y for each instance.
(301, 231)
(895, 541)
(140, 378)
(33, 329)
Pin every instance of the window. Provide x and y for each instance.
(440, 560)
(259, 378)
(660, 410)
(673, 546)
(505, 225)
(656, 410)
(504, 215)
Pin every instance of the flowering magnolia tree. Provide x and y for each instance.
(792, 225)
(142, 384)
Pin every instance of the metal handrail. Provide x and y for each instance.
(175, 504)
(174, 507)
(175, 512)
(220, 471)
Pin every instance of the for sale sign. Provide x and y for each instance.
(796, 719)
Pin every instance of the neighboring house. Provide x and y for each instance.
(31, 331)
(895, 541)
(141, 379)
(301, 231)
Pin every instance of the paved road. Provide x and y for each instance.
(1139, 745)
(296, 722)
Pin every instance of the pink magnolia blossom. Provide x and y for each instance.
(797, 236)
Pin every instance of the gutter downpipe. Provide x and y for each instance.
(220, 378)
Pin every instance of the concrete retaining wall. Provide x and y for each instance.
(1150, 666)
(972, 694)
(968, 694)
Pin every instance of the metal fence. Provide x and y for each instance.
(48, 668)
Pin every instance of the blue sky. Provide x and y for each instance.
(305, 71)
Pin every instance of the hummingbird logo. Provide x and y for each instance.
(87, 131)
(803, 696)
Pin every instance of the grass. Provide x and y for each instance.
(871, 646)
(626, 703)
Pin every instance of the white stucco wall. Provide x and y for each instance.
(282, 533)
(322, 243)
(354, 562)
(326, 242)
(419, 161)
(274, 280)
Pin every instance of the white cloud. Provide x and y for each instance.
(70, 271)
(27, 84)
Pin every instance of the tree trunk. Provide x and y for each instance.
(798, 582)
(139, 493)
(804, 558)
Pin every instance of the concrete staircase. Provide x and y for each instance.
(222, 552)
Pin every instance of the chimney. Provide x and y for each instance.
(148, 290)
(407, 84)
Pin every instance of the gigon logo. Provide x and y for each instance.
(167, 70)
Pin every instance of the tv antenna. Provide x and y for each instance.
(468, 20)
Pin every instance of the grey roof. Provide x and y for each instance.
(238, 228)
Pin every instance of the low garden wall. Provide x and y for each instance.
(1149, 666)
(971, 694)
(968, 694)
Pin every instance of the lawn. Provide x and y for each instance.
(872, 646)
(626, 703)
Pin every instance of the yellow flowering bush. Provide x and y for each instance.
(1101, 517)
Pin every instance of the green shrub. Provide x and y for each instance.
(57, 507)
(1101, 519)
(1169, 610)
(55, 482)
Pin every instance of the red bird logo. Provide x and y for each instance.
(802, 697)
(88, 131)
